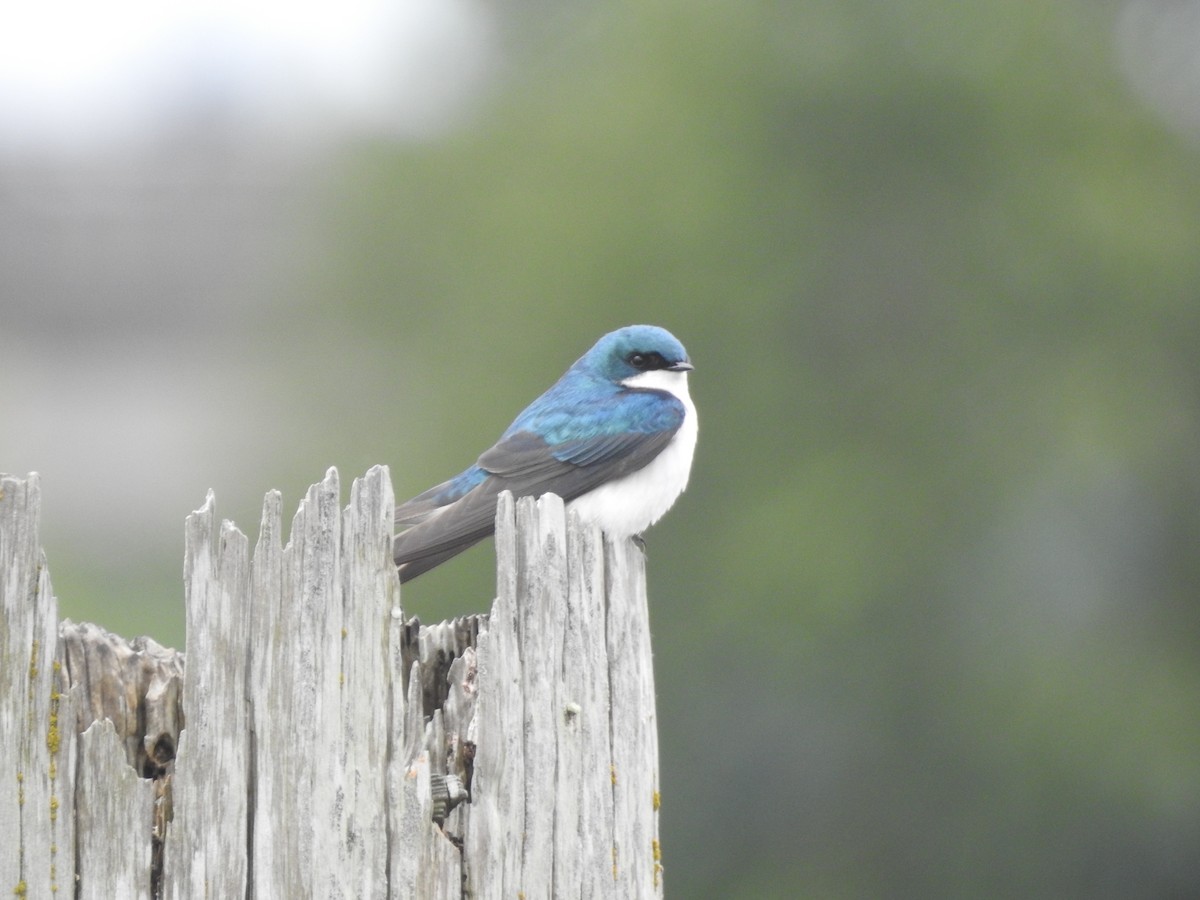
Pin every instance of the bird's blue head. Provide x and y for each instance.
(622, 355)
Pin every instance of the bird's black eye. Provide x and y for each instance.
(645, 361)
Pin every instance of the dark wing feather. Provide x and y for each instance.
(446, 532)
(526, 465)
(424, 505)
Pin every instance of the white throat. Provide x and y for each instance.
(630, 505)
(662, 380)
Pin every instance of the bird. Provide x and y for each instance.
(614, 437)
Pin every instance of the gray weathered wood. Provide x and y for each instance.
(36, 748)
(206, 841)
(636, 795)
(298, 751)
(137, 685)
(566, 804)
(114, 811)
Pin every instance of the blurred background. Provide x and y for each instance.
(927, 620)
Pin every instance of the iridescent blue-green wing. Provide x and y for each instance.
(564, 453)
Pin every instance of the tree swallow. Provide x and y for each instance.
(613, 437)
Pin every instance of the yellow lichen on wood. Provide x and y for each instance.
(53, 736)
(33, 668)
(53, 745)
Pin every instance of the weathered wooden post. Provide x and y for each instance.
(318, 744)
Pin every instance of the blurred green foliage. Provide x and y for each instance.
(926, 620)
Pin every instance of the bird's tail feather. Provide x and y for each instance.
(445, 532)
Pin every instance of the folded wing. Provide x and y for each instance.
(453, 516)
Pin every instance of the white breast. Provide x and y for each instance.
(630, 505)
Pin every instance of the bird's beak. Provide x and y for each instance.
(681, 366)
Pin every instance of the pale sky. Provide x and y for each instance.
(78, 73)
